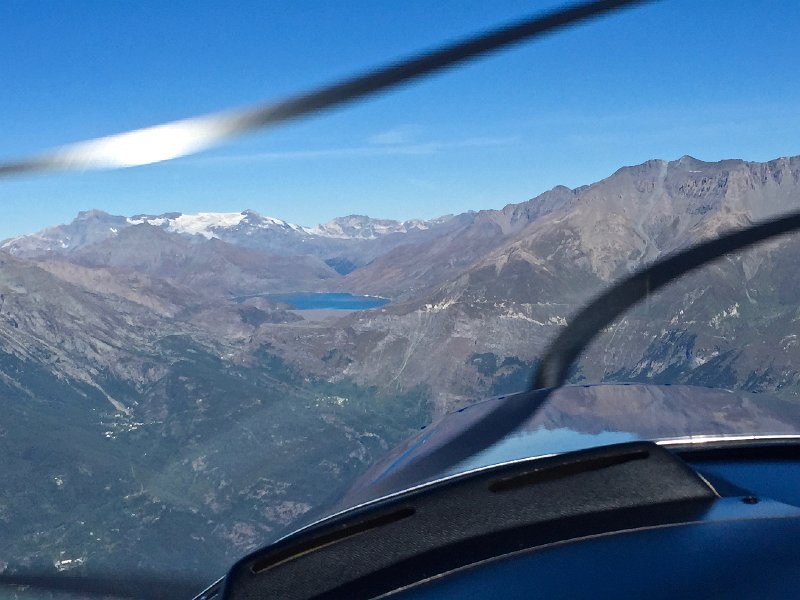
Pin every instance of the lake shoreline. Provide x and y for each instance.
(324, 301)
(322, 314)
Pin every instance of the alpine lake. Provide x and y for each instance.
(327, 301)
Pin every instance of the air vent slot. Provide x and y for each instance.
(565, 470)
(326, 539)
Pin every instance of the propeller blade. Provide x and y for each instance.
(187, 136)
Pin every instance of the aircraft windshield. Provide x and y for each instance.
(200, 355)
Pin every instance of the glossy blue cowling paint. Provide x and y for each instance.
(738, 551)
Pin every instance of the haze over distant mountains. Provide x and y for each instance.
(345, 242)
(494, 282)
(129, 335)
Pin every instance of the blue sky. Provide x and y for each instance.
(713, 78)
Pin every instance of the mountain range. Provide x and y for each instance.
(344, 243)
(193, 405)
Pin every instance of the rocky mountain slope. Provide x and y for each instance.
(408, 270)
(487, 323)
(157, 430)
(209, 266)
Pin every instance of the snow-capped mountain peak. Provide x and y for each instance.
(341, 237)
(210, 224)
(249, 222)
(363, 227)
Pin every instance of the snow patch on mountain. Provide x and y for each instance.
(210, 224)
(363, 227)
(203, 224)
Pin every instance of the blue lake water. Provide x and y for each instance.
(312, 300)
